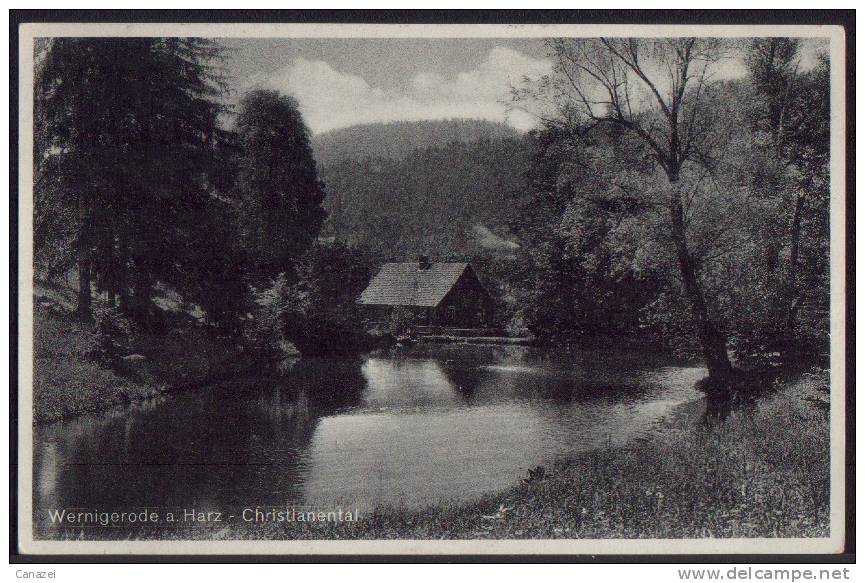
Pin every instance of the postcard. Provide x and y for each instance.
(431, 289)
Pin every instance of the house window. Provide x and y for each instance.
(452, 314)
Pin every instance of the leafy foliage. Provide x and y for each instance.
(264, 332)
(313, 307)
(113, 334)
(588, 265)
(719, 215)
(684, 209)
(327, 319)
(278, 188)
(400, 320)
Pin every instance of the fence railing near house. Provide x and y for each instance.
(428, 330)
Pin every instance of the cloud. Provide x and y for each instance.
(331, 99)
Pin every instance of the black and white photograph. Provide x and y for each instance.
(431, 288)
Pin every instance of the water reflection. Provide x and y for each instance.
(408, 382)
(403, 428)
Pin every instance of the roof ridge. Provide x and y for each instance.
(431, 263)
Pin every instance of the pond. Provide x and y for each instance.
(409, 427)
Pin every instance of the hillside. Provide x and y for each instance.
(397, 140)
(452, 201)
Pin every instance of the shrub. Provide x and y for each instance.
(264, 331)
(112, 333)
(400, 320)
(323, 316)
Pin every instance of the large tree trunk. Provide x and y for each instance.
(790, 291)
(123, 273)
(111, 275)
(123, 292)
(141, 294)
(84, 300)
(84, 266)
(712, 340)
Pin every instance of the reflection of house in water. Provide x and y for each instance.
(443, 294)
(411, 382)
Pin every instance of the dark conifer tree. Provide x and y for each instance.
(127, 136)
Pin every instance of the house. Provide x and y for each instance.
(441, 294)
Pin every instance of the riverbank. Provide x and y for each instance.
(67, 381)
(761, 472)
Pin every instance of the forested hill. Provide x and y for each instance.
(396, 140)
(446, 189)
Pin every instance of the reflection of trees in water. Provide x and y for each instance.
(486, 383)
(77, 455)
(219, 446)
(407, 382)
(464, 379)
(330, 384)
(490, 373)
(248, 441)
(539, 384)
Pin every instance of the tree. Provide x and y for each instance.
(127, 136)
(279, 192)
(576, 225)
(314, 307)
(791, 124)
(326, 318)
(71, 79)
(657, 91)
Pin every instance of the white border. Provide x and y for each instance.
(832, 544)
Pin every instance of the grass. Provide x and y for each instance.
(68, 381)
(762, 472)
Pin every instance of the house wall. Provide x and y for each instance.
(378, 313)
(467, 305)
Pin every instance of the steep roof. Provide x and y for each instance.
(405, 284)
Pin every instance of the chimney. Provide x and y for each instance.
(423, 262)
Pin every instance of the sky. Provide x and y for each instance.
(344, 82)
